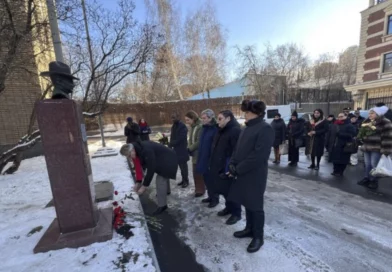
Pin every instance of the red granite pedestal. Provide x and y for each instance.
(79, 222)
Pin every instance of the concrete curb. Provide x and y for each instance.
(154, 256)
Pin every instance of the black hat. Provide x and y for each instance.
(351, 115)
(347, 109)
(59, 68)
(331, 116)
(255, 106)
(295, 113)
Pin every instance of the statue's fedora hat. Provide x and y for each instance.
(59, 68)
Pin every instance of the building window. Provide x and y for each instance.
(389, 24)
(387, 67)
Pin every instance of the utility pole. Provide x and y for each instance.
(90, 52)
(54, 28)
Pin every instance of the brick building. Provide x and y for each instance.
(374, 62)
(23, 85)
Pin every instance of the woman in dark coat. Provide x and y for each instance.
(318, 130)
(249, 168)
(131, 131)
(280, 135)
(208, 132)
(343, 133)
(179, 142)
(145, 130)
(295, 132)
(222, 149)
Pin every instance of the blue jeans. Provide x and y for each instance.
(371, 161)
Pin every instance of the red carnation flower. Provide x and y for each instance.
(115, 203)
(115, 192)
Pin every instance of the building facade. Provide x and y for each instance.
(374, 62)
(24, 86)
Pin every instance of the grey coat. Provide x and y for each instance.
(251, 161)
(193, 142)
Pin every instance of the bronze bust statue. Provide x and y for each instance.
(62, 79)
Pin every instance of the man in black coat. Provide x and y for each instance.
(249, 168)
(132, 131)
(295, 131)
(156, 159)
(179, 142)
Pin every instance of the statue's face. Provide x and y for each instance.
(63, 86)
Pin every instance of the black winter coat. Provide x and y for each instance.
(250, 159)
(132, 131)
(222, 149)
(317, 141)
(344, 133)
(156, 159)
(280, 131)
(179, 141)
(295, 131)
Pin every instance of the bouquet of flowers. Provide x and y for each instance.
(366, 130)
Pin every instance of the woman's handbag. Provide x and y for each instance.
(284, 149)
(351, 147)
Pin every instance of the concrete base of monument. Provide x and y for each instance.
(104, 191)
(104, 152)
(54, 240)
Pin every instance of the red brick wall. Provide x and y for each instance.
(370, 76)
(378, 15)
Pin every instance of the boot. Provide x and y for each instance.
(312, 166)
(232, 220)
(213, 204)
(206, 200)
(255, 245)
(180, 183)
(364, 182)
(185, 184)
(373, 184)
(223, 212)
(247, 232)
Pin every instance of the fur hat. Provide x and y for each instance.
(129, 119)
(295, 113)
(255, 106)
(380, 111)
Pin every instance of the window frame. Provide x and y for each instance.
(384, 58)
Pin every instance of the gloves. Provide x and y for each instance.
(232, 170)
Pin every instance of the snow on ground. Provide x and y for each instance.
(310, 226)
(23, 197)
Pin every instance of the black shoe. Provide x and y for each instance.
(213, 204)
(168, 193)
(206, 200)
(333, 174)
(185, 184)
(160, 210)
(223, 212)
(364, 182)
(247, 232)
(312, 166)
(232, 220)
(180, 183)
(293, 164)
(373, 184)
(255, 245)
(275, 161)
(317, 168)
(199, 195)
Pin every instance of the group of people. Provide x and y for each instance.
(341, 137)
(134, 132)
(226, 160)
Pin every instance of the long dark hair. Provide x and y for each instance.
(321, 114)
(229, 113)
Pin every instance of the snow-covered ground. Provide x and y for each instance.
(310, 226)
(23, 197)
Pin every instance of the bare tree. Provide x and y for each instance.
(326, 71)
(116, 48)
(348, 64)
(206, 48)
(288, 60)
